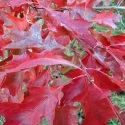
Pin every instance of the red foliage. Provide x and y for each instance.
(39, 79)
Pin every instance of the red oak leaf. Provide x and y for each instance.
(25, 61)
(117, 51)
(108, 61)
(13, 82)
(77, 9)
(59, 3)
(107, 19)
(12, 3)
(35, 34)
(106, 83)
(20, 22)
(73, 89)
(40, 102)
(118, 39)
(23, 39)
(79, 27)
(83, 10)
(65, 116)
(43, 78)
(5, 96)
(96, 106)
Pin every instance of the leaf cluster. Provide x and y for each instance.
(56, 64)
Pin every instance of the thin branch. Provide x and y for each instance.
(109, 7)
(36, 7)
(96, 8)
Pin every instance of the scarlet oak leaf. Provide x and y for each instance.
(59, 3)
(43, 78)
(106, 83)
(89, 11)
(120, 83)
(50, 43)
(12, 3)
(29, 39)
(73, 73)
(63, 40)
(79, 27)
(13, 82)
(96, 105)
(72, 90)
(81, 10)
(108, 18)
(90, 62)
(28, 92)
(5, 96)
(103, 37)
(118, 55)
(77, 9)
(107, 60)
(118, 39)
(20, 62)
(13, 34)
(40, 102)
(20, 22)
(65, 116)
